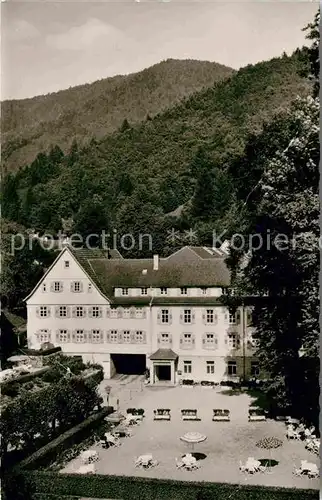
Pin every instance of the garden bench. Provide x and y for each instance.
(162, 414)
(256, 415)
(188, 414)
(220, 415)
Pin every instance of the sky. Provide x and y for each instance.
(49, 46)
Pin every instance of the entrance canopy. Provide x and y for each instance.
(164, 355)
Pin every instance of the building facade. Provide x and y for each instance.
(164, 314)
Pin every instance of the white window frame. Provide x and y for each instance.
(187, 316)
(44, 336)
(210, 339)
(61, 310)
(124, 291)
(165, 338)
(187, 338)
(126, 335)
(96, 335)
(183, 290)
(257, 369)
(204, 290)
(44, 311)
(96, 311)
(232, 339)
(113, 313)
(79, 336)
(210, 367)
(66, 264)
(210, 316)
(163, 290)
(187, 367)
(232, 319)
(89, 288)
(62, 335)
(139, 336)
(79, 309)
(114, 336)
(144, 290)
(165, 316)
(44, 287)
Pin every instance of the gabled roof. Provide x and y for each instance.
(163, 354)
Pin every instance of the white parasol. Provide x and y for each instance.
(193, 438)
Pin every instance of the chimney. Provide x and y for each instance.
(155, 262)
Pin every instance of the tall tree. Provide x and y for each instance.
(10, 202)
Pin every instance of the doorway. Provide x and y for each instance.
(163, 372)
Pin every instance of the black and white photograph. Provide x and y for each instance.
(160, 250)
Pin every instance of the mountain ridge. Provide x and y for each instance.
(97, 109)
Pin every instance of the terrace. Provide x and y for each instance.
(227, 443)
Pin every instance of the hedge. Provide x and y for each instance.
(73, 436)
(129, 488)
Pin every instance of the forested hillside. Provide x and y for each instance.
(132, 178)
(94, 110)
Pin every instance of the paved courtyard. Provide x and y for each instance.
(227, 442)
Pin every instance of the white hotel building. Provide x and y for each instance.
(164, 314)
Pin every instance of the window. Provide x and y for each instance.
(164, 316)
(80, 337)
(254, 369)
(76, 286)
(66, 264)
(127, 336)
(125, 291)
(62, 311)
(114, 336)
(232, 368)
(187, 340)
(232, 319)
(89, 287)
(79, 312)
(210, 367)
(96, 312)
(126, 312)
(44, 336)
(224, 291)
(139, 312)
(233, 341)
(44, 311)
(114, 313)
(187, 367)
(187, 316)
(204, 290)
(165, 338)
(163, 290)
(184, 291)
(44, 287)
(210, 316)
(210, 340)
(96, 335)
(139, 336)
(57, 286)
(144, 291)
(62, 335)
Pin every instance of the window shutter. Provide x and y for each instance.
(108, 336)
(120, 337)
(181, 340)
(132, 312)
(216, 341)
(74, 336)
(119, 312)
(90, 312)
(86, 336)
(204, 339)
(132, 336)
(67, 312)
(238, 342)
(38, 312)
(100, 312)
(144, 337)
(238, 317)
(68, 336)
(226, 317)
(81, 286)
(108, 312)
(226, 339)
(101, 337)
(52, 287)
(57, 336)
(72, 286)
(249, 317)
(159, 338)
(181, 317)
(170, 317)
(193, 338)
(204, 318)
(48, 312)
(84, 311)
(89, 336)
(159, 316)
(144, 313)
(215, 318)
(192, 317)
(57, 312)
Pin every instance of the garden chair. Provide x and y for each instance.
(162, 414)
